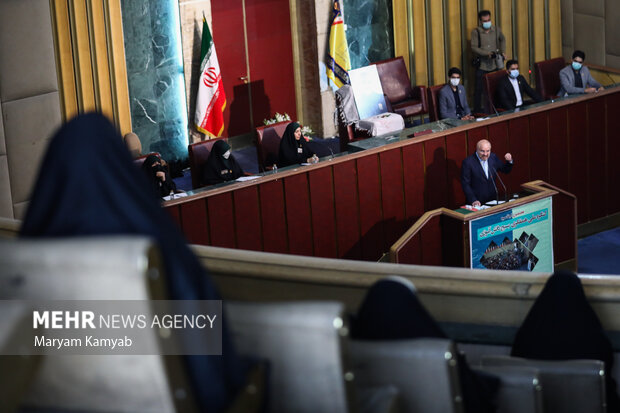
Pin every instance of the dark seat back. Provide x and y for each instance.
(433, 102)
(198, 153)
(489, 82)
(404, 99)
(268, 143)
(547, 75)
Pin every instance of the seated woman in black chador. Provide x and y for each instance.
(293, 148)
(561, 325)
(87, 185)
(158, 176)
(391, 311)
(221, 166)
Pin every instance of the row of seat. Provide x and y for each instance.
(312, 365)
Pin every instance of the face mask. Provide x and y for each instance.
(226, 154)
(455, 81)
(486, 25)
(514, 73)
(576, 65)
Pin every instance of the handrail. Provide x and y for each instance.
(603, 68)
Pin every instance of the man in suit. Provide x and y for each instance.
(478, 174)
(452, 98)
(512, 88)
(576, 78)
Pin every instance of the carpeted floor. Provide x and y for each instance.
(599, 253)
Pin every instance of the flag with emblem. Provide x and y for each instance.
(211, 99)
(338, 64)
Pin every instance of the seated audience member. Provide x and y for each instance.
(511, 90)
(478, 173)
(294, 149)
(391, 311)
(576, 77)
(158, 176)
(221, 166)
(453, 98)
(133, 144)
(561, 325)
(87, 185)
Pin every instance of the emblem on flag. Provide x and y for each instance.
(338, 64)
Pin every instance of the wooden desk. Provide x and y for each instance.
(356, 206)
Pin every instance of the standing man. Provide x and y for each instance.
(478, 174)
(452, 98)
(488, 44)
(512, 89)
(576, 78)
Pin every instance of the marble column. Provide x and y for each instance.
(155, 75)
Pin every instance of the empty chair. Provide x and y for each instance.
(198, 154)
(568, 385)
(113, 268)
(423, 370)
(489, 84)
(302, 343)
(547, 75)
(520, 390)
(407, 101)
(268, 144)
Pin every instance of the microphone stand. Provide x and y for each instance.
(501, 182)
(495, 187)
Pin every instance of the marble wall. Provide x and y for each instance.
(152, 35)
(369, 31)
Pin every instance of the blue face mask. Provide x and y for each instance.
(514, 73)
(576, 65)
(486, 25)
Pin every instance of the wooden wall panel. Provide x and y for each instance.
(323, 208)
(420, 74)
(431, 242)
(371, 216)
(247, 219)
(519, 142)
(473, 136)
(539, 147)
(347, 210)
(413, 171)
(411, 253)
(175, 214)
(558, 148)
(194, 222)
(613, 149)
(273, 217)
(298, 216)
(435, 174)
(578, 158)
(221, 220)
(392, 196)
(597, 177)
(456, 152)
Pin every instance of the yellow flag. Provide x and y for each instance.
(338, 64)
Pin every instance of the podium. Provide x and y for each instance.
(535, 231)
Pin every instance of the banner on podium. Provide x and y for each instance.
(520, 238)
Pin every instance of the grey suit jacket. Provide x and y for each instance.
(567, 80)
(447, 105)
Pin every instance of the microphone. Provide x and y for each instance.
(501, 182)
(493, 106)
(332, 153)
(495, 187)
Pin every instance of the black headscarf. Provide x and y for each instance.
(219, 169)
(87, 185)
(561, 325)
(161, 188)
(289, 153)
(391, 310)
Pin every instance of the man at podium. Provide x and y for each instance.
(478, 174)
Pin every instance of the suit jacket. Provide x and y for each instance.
(567, 80)
(447, 104)
(505, 93)
(476, 186)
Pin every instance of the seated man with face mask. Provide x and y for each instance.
(221, 166)
(512, 88)
(452, 98)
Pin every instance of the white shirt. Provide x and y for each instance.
(484, 164)
(515, 85)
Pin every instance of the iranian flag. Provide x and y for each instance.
(211, 99)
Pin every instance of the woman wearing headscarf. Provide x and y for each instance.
(561, 325)
(87, 185)
(158, 176)
(221, 166)
(294, 149)
(391, 311)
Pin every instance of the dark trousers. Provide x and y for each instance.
(478, 90)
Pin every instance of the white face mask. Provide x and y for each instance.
(455, 81)
(226, 154)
